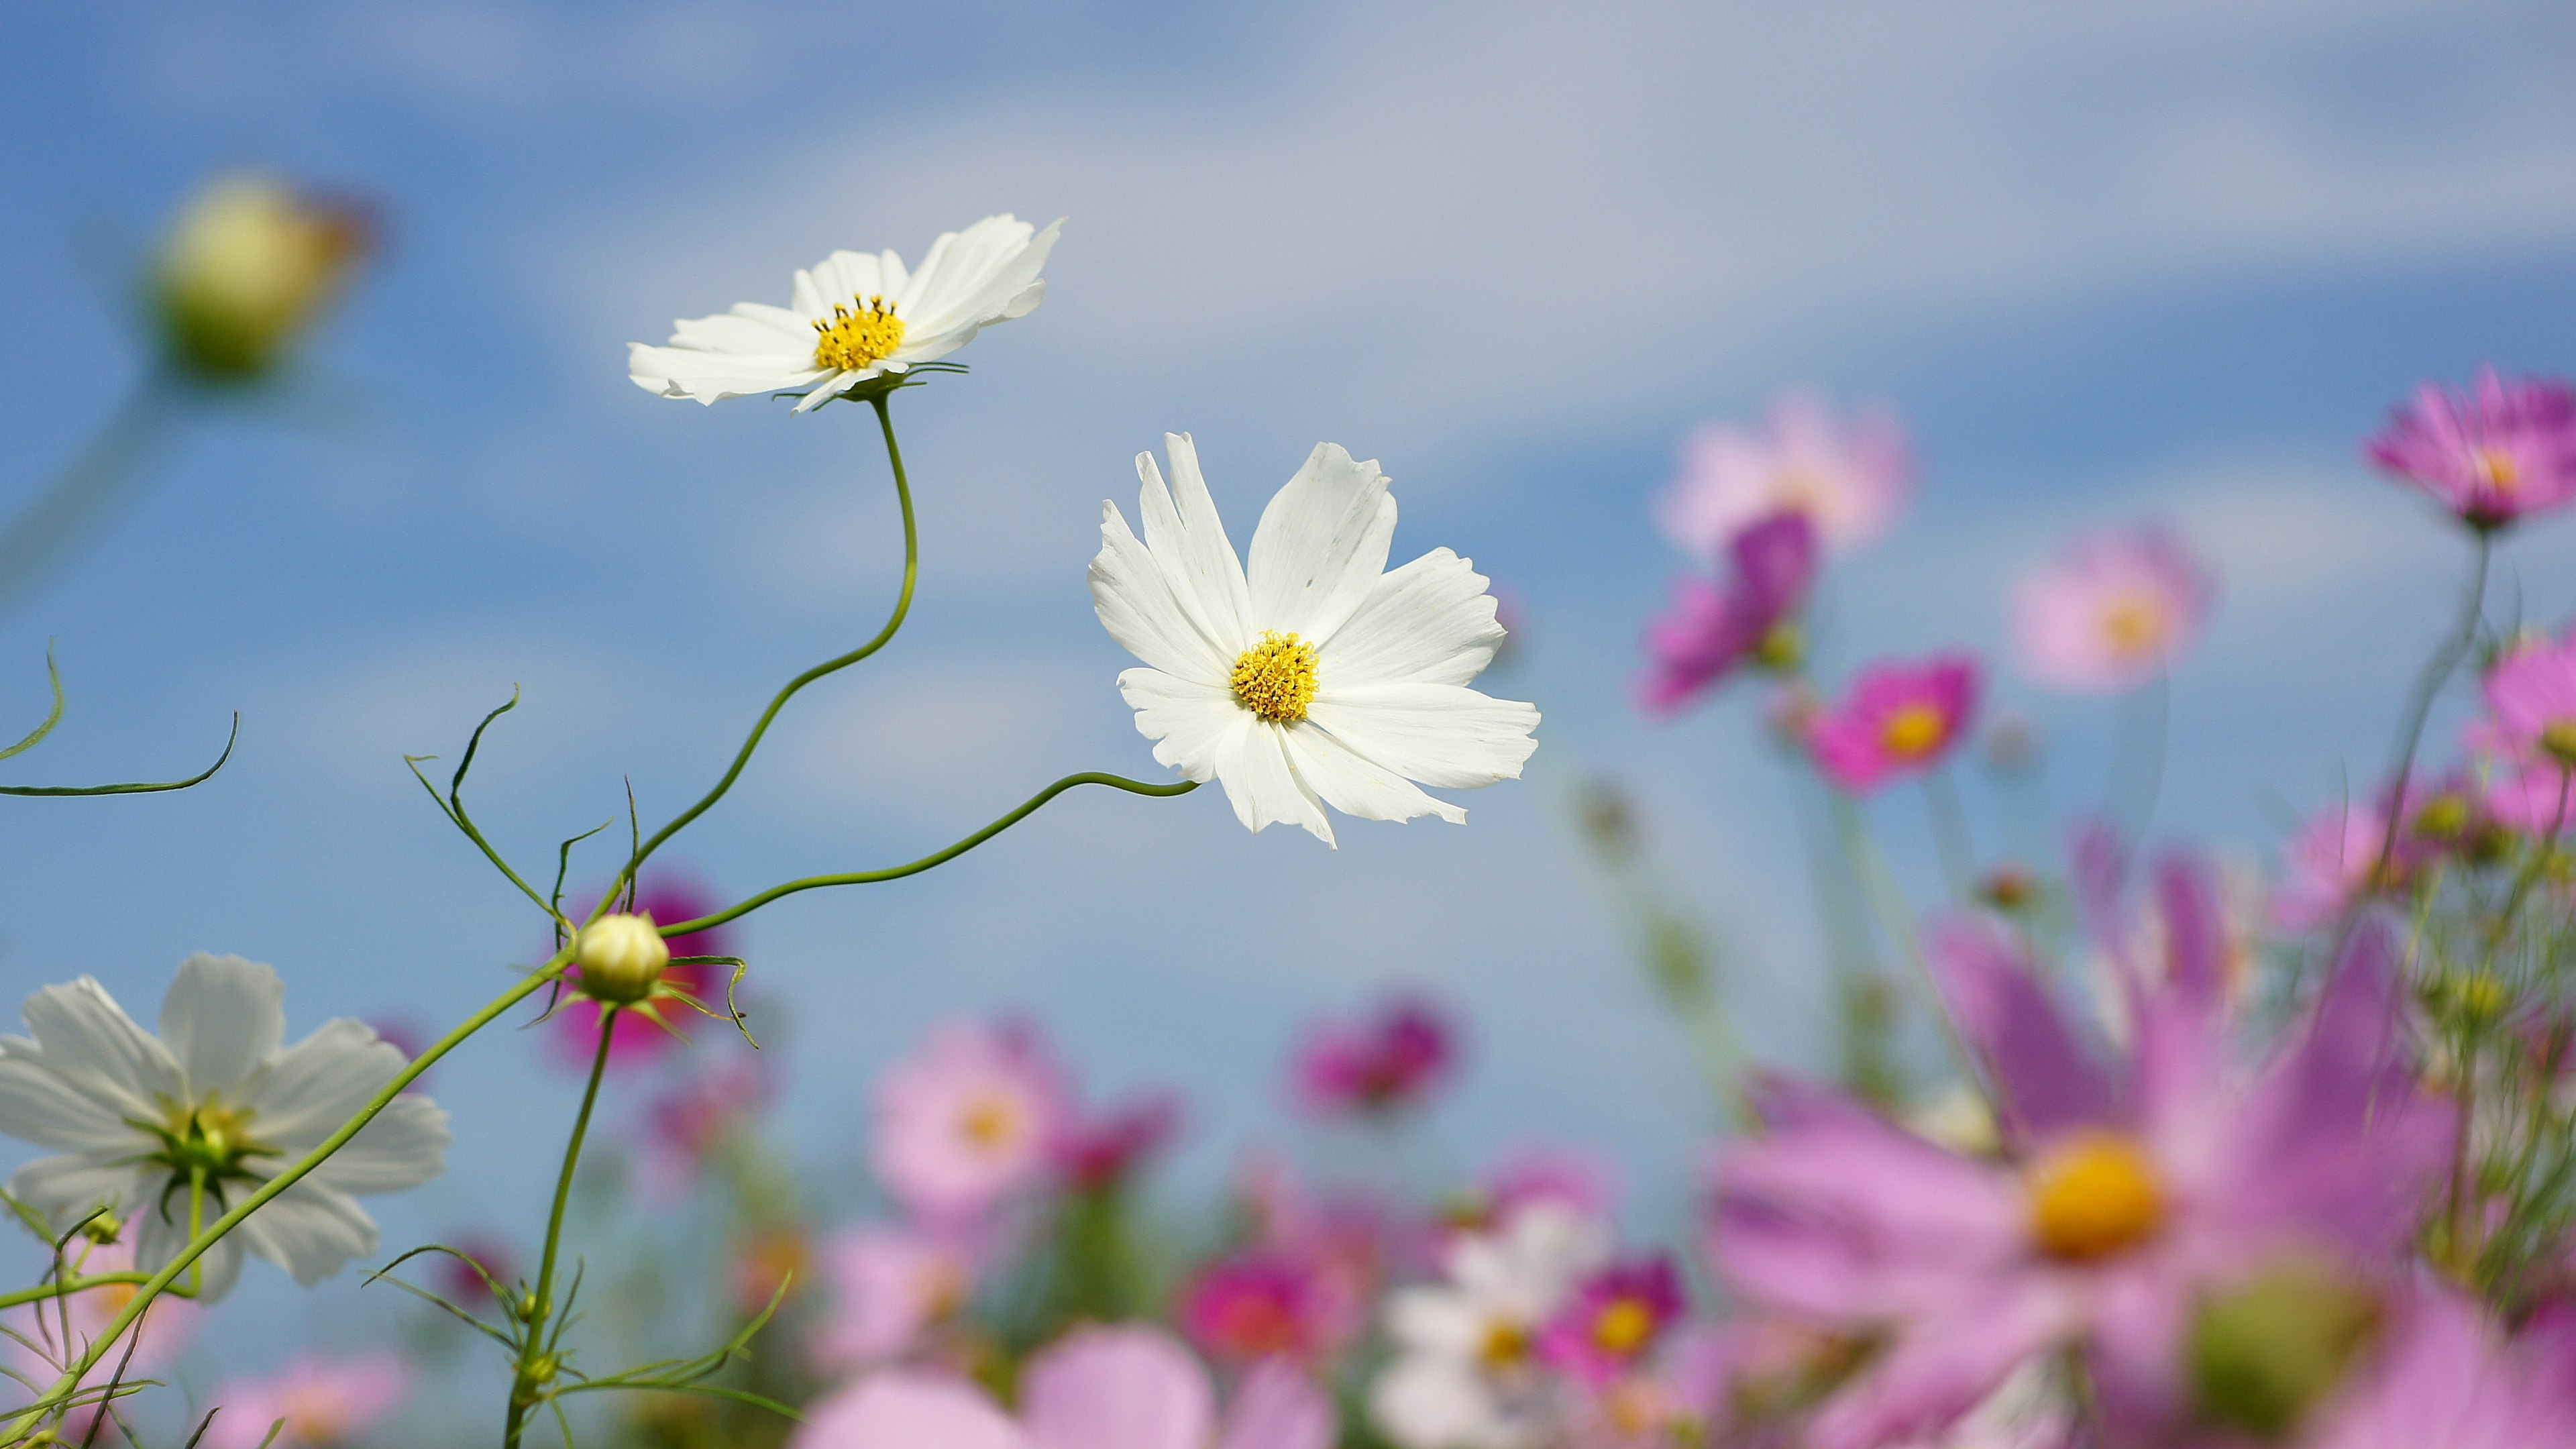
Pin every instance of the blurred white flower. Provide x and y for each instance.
(854, 318)
(1464, 1376)
(1312, 676)
(217, 1100)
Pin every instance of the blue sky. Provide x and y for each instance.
(2111, 261)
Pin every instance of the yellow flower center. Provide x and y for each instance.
(1623, 1326)
(2498, 468)
(1275, 678)
(2559, 738)
(1914, 730)
(991, 1122)
(2095, 1196)
(2134, 626)
(852, 340)
(1506, 1343)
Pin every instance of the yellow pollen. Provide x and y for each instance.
(857, 339)
(991, 1122)
(1275, 678)
(2498, 468)
(1914, 730)
(2558, 737)
(2134, 626)
(1623, 1326)
(2095, 1196)
(1506, 1343)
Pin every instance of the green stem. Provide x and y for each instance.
(2542, 847)
(902, 607)
(81, 1284)
(937, 857)
(540, 1302)
(153, 1286)
(2437, 672)
(102, 475)
(1878, 884)
(2138, 757)
(1950, 827)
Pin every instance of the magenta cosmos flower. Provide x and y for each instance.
(1849, 477)
(1271, 1303)
(967, 1120)
(644, 1033)
(1708, 631)
(2127, 1185)
(1390, 1060)
(1098, 1388)
(1615, 1319)
(1098, 1152)
(1899, 720)
(325, 1403)
(2112, 611)
(2492, 454)
(2444, 1376)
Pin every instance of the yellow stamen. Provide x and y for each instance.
(1505, 1344)
(1914, 730)
(1623, 1326)
(991, 1122)
(2499, 469)
(858, 339)
(2559, 738)
(2095, 1196)
(1275, 678)
(2134, 626)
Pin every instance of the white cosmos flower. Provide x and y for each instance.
(1463, 1373)
(1313, 676)
(133, 1117)
(855, 317)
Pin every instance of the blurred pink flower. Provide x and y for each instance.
(1615, 1319)
(1103, 1151)
(967, 1119)
(33, 1346)
(2490, 455)
(687, 1120)
(1125, 1387)
(1393, 1059)
(2111, 611)
(2531, 697)
(1269, 1304)
(1545, 1172)
(1898, 720)
(890, 1285)
(325, 1402)
(2327, 865)
(636, 1040)
(2443, 1375)
(1849, 477)
(460, 1284)
(2131, 1185)
(1708, 631)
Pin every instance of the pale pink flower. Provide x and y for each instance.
(325, 1403)
(2444, 1375)
(1900, 719)
(2492, 454)
(2112, 611)
(967, 1119)
(2328, 864)
(1850, 477)
(890, 1286)
(2531, 697)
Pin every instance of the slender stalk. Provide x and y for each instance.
(1950, 827)
(1878, 884)
(153, 1286)
(2419, 705)
(2463, 1161)
(540, 1303)
(2138, 757)
(2542, 847)
(894, 621)
(105, 473)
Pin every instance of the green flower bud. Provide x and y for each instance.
(2264, 1351)
(246, 269)
(621, 957)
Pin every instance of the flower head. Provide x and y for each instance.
(2492, 454)
(1384, 1063)
(1848, 477)
(1708, 632)
(1311, 675)
(1466, 1349)
(967, 1120)
(1899, 719)
(856, 323)
(324, 1403)
(890, 1286)
(619, 958)
(2112, 611)
(643, 1032)
(245, 271)
(1269, 1304)
(689, 1120)
(1614, 1320)
(2531, 697)
(1095, 1152)
(192, 1120)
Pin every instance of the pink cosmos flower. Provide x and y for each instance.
(1849, 477)
(686, 1121)
(34, 1347)
(890, 1286)
(967, 1119)
(2444, 1376)
(1268, 1303)
(637, 1041)
(1383, 1063)
(1899, 720)
(325, 1403)
(2111, 611)
(2491, 455)
(1545, 1172)
(1103, 1151)
(2328, 864)
(2129, 1185)
(1127, 1387)
(2531, 697)
(1614, 1320)
(1708, 631)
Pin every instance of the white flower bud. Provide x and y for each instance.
(620, 958)
(246, 268)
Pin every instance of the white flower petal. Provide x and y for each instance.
(1445, 735)
(1188, 539)
(988, 273)
(1437, 1320)
(89, 1041)
(222, 1015)
(1136, 599)
(712, 377)
(1253, 764)
(37, 1105)
(68, 1187)
(309, 1230)
(159, 1237)
(1321, 545)
(1355, 785)
(403, 1146)
(831, 385)
(1427, 1402)
(749, 330)
(1430, 622)
(845, 279)
(302, 1094)
(1197, 724)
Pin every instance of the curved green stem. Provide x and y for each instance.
(894, 621)
(1878, 885)
(84, 1283)
(540, 1302)
(2437, 672)
(937, 857)
(159, 1282)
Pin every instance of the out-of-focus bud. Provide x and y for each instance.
(621, 958)
(245, 271)
(1791, 711)
(2263, 1352)
(2009, 887)
(1609, 818)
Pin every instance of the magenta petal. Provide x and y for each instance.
(2044, 1078)
(1116, 1388)
(1937, 1371)
(906, 1409)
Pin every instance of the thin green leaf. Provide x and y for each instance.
(456, 785)
(199, 778)
(52, 717)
